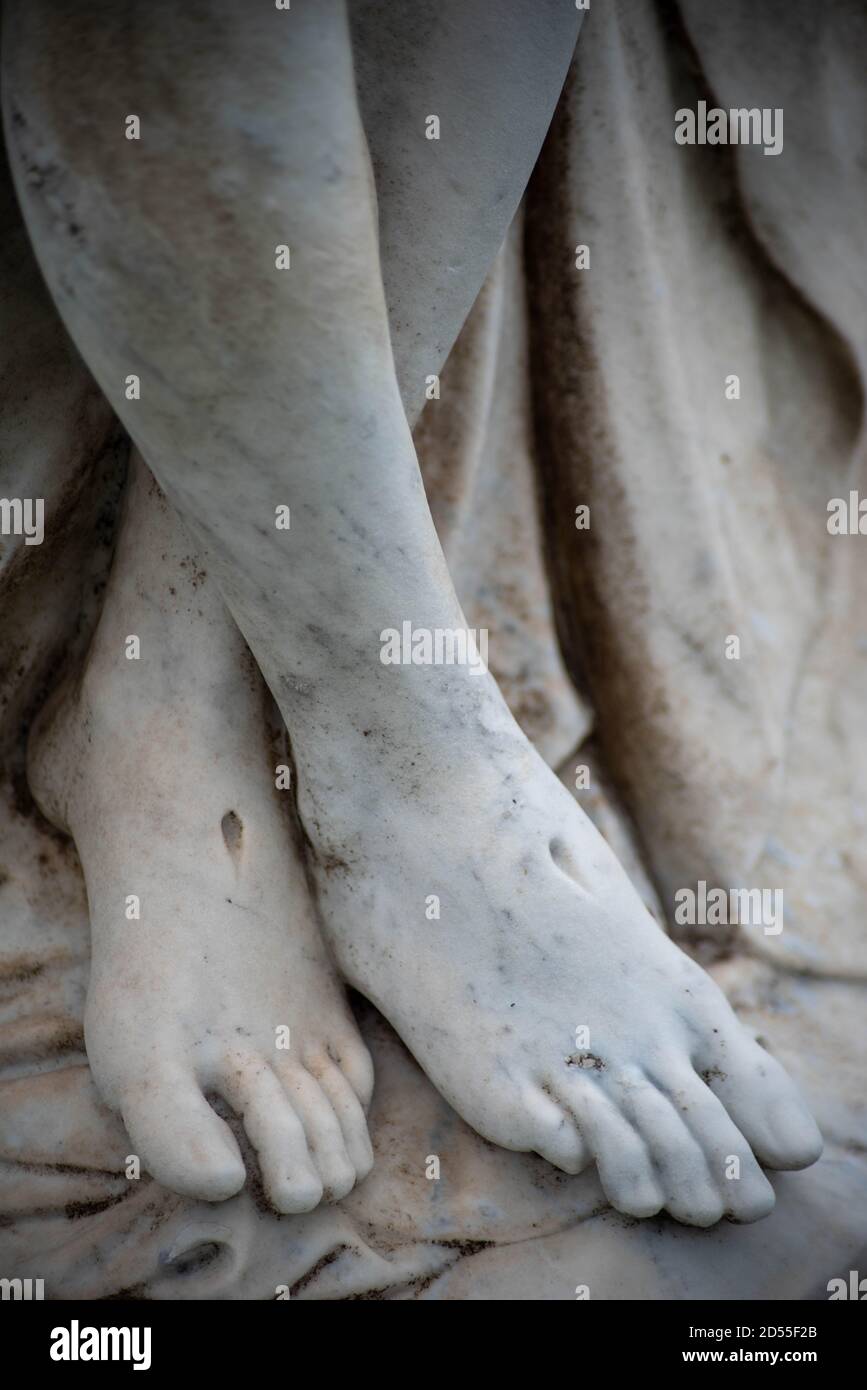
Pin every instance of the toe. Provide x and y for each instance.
(622, 1157)
(276, 1133)
(691, 1193)
(355, 1062)
(746, 1193)
(556, 1134)
(324, 1134)
(350, 1116)
(181, 1141)
(764, 1104)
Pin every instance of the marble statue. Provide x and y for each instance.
(312, 363)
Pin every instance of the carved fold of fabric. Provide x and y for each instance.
(708, 510)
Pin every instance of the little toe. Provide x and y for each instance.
(356, 1064)
(324, 1134)
(556, 1134)
(276, 1133)
(691, 1194)
(764, 1104)
(182, 1142)
(622, 1157)
(350, 1116)
(747, 1195)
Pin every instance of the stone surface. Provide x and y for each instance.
(609, 393)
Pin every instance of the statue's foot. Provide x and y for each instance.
(478, 907)
(206, 957)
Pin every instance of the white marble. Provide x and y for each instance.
(262, 387)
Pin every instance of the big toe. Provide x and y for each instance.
(765, 1105)
(181, 1141)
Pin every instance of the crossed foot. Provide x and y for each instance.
(161, 770)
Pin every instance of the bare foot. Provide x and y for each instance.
(160, 769)
(480, 910)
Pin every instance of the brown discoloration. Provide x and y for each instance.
(75, 1211)
(585, 1061)
(19, 969)
(465, 1247)
(312, 1273)
(712, 1074)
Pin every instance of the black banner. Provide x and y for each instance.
(63, 1339)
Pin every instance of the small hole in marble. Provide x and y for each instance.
(233, 829)
(197, 1258)
(563, 857)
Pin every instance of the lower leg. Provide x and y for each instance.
(279, 389)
